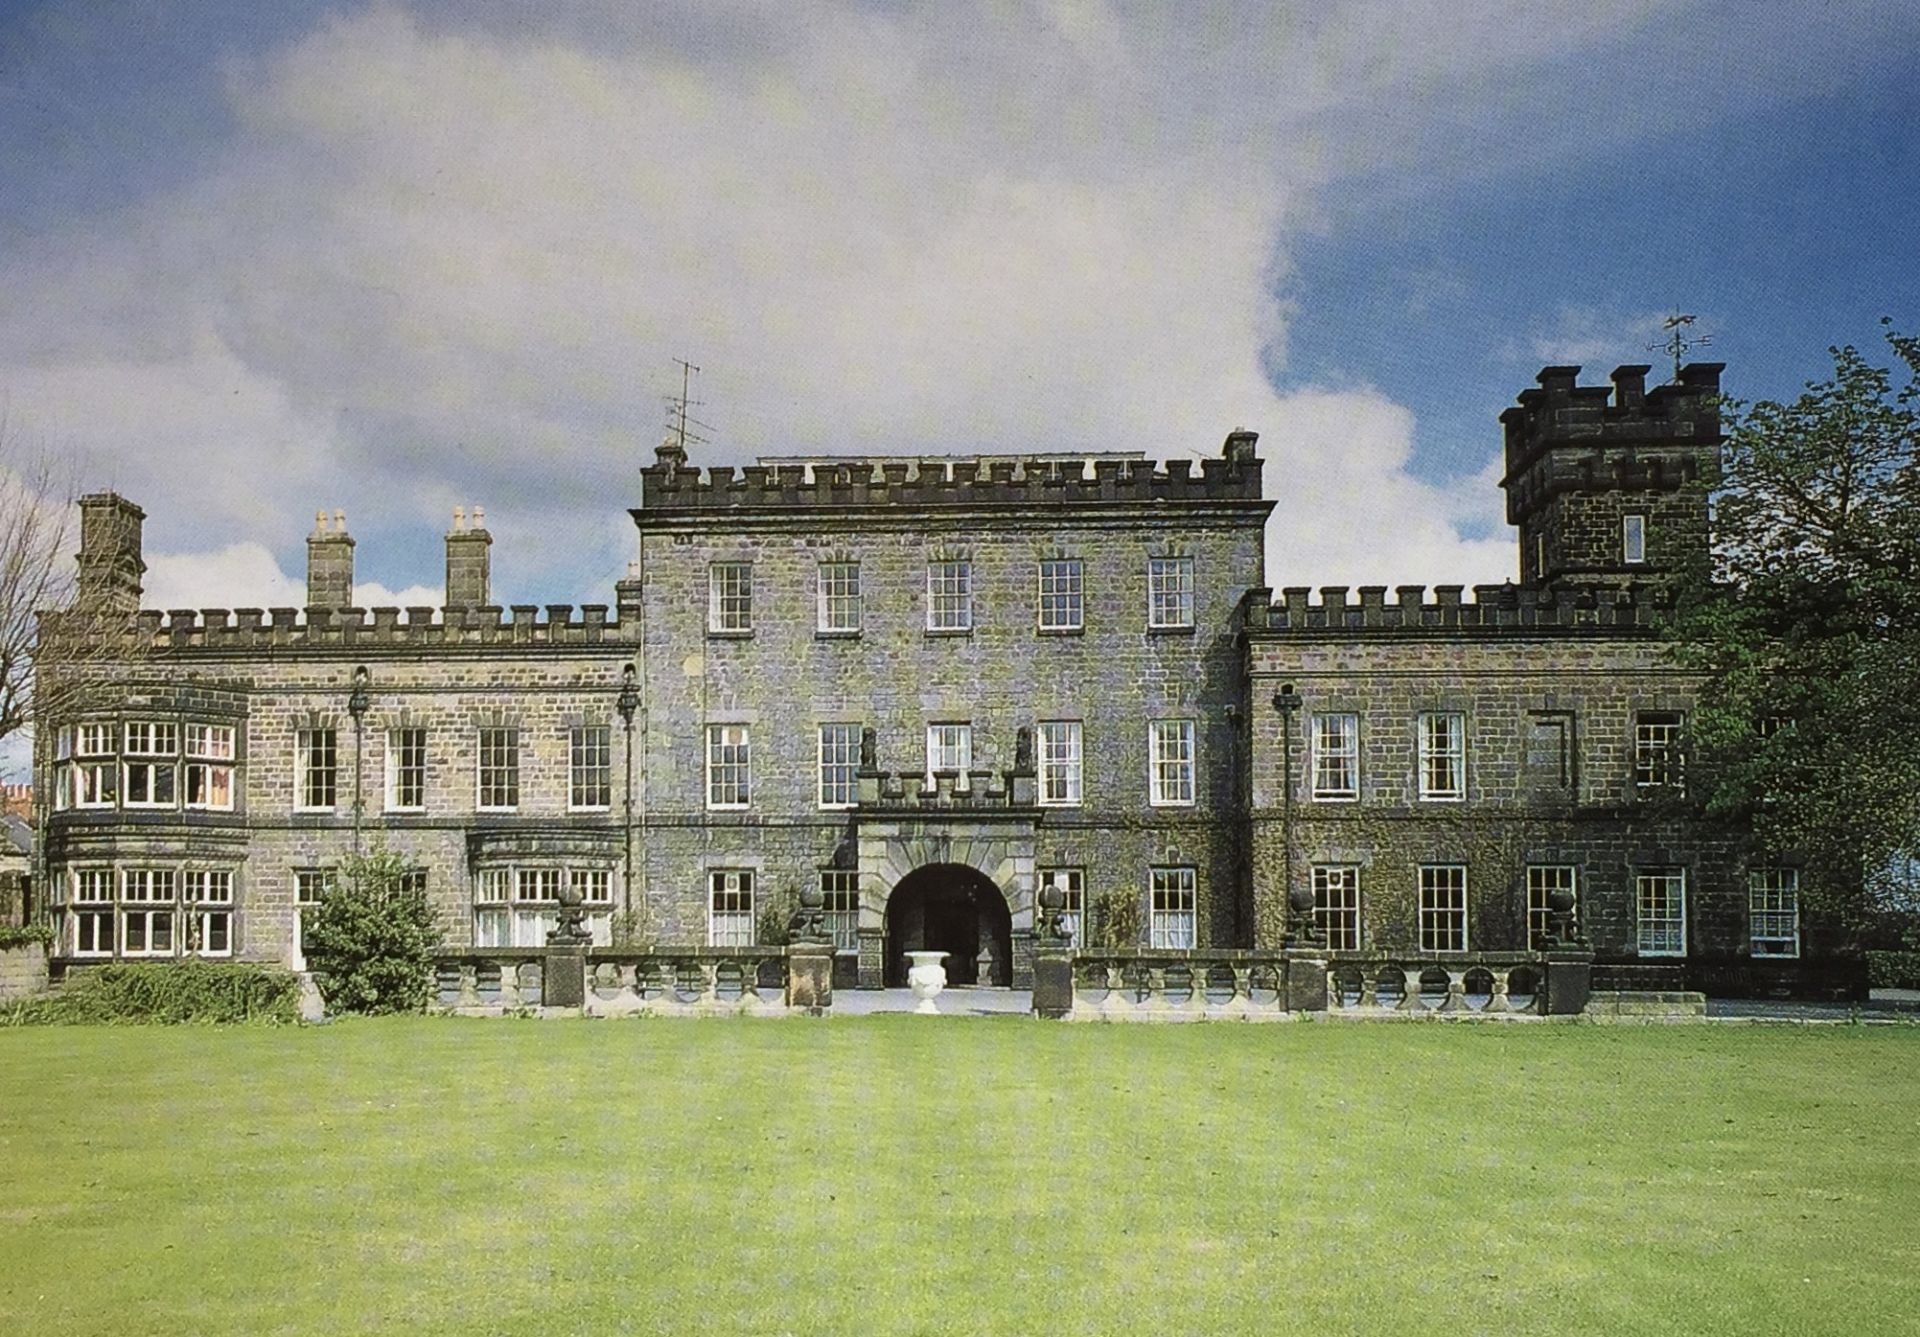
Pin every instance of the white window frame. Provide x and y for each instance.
(1173, 903)
(730, 598)
(838, 754)
(729, 767)
(496, 768)
(156, 903)
(153, 748)
(1060, 601)
(950, 595)
(207, 894)
(1658, 757)
(91, 907)
(1072, 884)
(838, 607)
(1664, 934)
(1633, 540)
(400, 768)
(308, 774)
(1773, 902)
(1170, 593)
(1443, 907)
(951, 742)
(840, 902)
(1542, 880)
(1436, 752)
(1061, 763)
(1336, 756)
(1172, 763)
(732, 926)
(209, 766)
(590, 768)
(1336, 905)
(492, 915)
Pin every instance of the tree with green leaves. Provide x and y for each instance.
(370, 941)
(1807, 629)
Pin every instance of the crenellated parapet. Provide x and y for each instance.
(1495, 608)
(934, 483)
(362, 630)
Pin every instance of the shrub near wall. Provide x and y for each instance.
(1893, 970)
(162, 992)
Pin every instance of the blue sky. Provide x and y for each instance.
(393, 258)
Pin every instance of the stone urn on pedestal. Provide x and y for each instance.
(926, 977)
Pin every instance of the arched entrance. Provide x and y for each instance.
(951, 908)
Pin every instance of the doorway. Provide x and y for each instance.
(954, 909)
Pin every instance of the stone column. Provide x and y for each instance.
(565, 983)
(1052, 958)
(1567, 981)
(1306, 979)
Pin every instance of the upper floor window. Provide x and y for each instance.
(950, 748)
(152, 768)
(1170, 765)
(210, 766)
(406, 770)
(316, 770)
(1170, 592)
(839, 765)
(1071, 883)
(1336, 905)
(1336, 756)
(1443, 908)
(1443, 756)
(1633, 539)
(950, 596)
(1171, 908)
(839, 597)
(1773, 907)
(730, 597)
(590, 767)
(730, 908)
(729, 766)
(1060, 762)
(1062, 595)
(95, 773)
(1660, 906)
(1656, 749)
(499, 773)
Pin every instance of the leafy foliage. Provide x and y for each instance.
(371, 939)
(1116, 922)
(24, 935)
(172, 992)
(1893, 970)
(1808, 629)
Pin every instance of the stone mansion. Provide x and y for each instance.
(929, 687)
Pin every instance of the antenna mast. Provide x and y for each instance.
(678, 419)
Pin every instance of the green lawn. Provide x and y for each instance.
(901, 1174)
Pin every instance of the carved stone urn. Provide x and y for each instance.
(926, 977)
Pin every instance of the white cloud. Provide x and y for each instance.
(247, 575)
(445, 259)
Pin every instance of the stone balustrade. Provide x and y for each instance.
(664, 981)
(1457, 984)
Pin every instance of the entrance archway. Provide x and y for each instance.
(951, 908)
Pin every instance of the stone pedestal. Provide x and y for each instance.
(1306, 984)
(1568, 982)
(566, 981)
(810, 977)
(1052, 983)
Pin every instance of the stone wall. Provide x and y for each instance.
(23, 971)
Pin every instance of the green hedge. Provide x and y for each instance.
(1893, 970)
(19, 935)
(162, 992)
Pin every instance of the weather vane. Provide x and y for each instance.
(1679, 342)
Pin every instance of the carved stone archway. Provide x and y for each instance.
(892, 850)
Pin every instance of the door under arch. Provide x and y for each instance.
(954, 909)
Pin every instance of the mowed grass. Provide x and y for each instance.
(903, 1174)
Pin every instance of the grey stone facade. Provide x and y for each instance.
(1141, 763)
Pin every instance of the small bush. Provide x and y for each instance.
(165, 992)
(1116, 922)
(370, 941)
(1893, 970)
(24, 935)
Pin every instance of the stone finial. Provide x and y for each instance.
(459, 519)
(479, 517)
(340, 521)
(319, 522)
(869, 749)
(1023, 750)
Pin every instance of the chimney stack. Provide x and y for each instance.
(469, 564)
(110, 560)
(329, 563)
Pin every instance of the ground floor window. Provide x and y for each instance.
(309, 885)
(208, 894)
(730, 908)
(1072, 885)
(1773, 904)
(840, 892)
(518, 905)
(1172, 908)
(1443, 908)
(1660, 900)
(92, 915)
(1543, 880)
(1336, 905)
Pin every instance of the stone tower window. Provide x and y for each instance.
(590, 768)
(1170, 592)
(950, 596)
(1633, 539)
(1170, 763)
(1336, 756)
(406, 770)
(1443, 756)
(1773, 906)
(730, 907)
(1443, 908)
(730, 598)
(499, 769)
(839, 763)
(1060, 762)
(839, 598)
(1062, 595)
(1336, 905)
(1660, 902)
(729, 766)
(1171, 908)
(316, 761)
